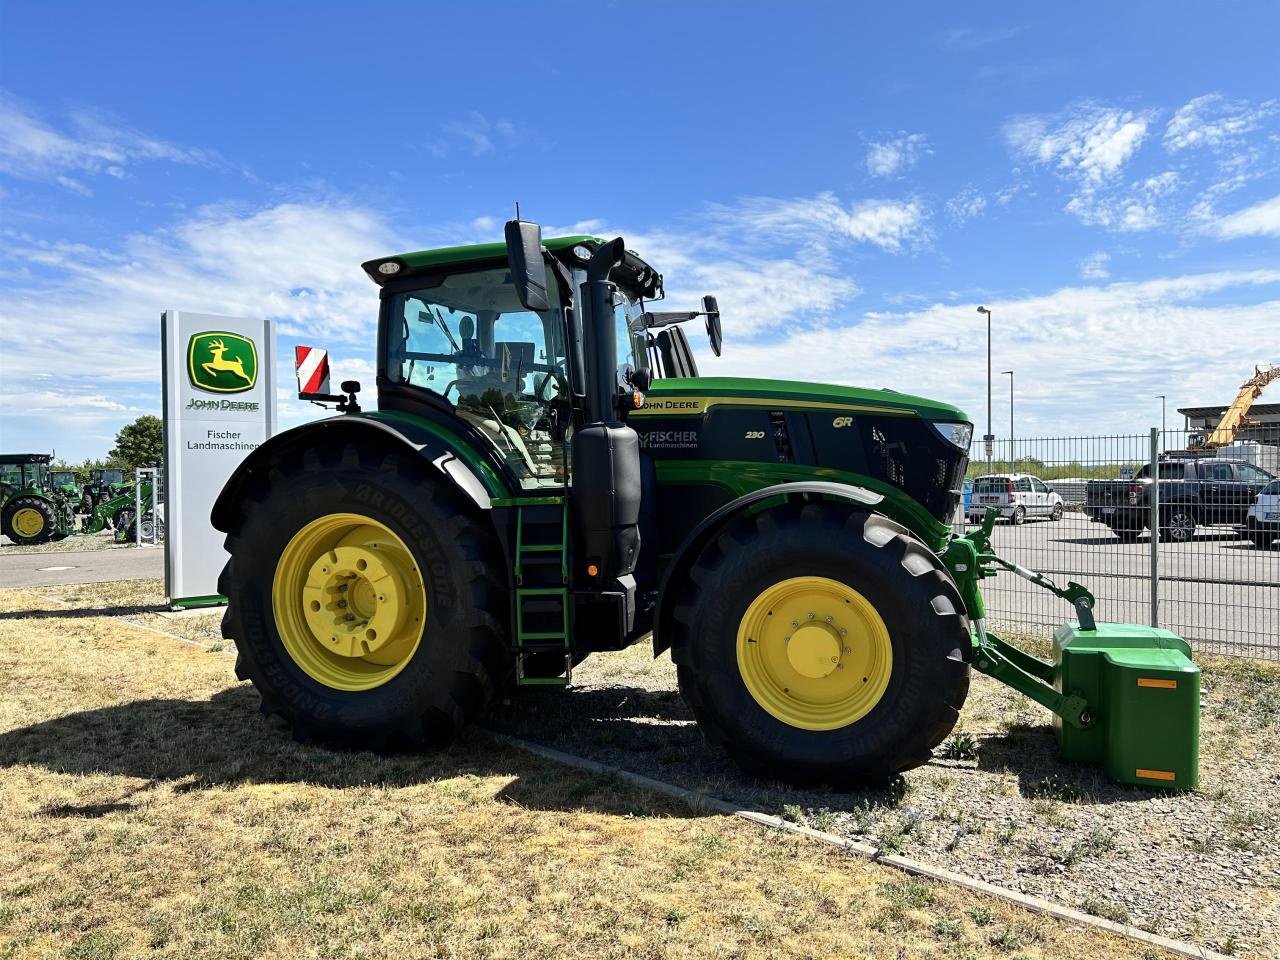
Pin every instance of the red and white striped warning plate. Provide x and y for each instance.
(312, 366)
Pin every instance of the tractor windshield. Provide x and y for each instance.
(627, 311)
(470, 341)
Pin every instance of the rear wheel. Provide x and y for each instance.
(368, 608)
(1019, 515)
(819, 643)
(1178, 525)
(29, 520)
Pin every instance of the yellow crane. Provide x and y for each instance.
(1234, 416)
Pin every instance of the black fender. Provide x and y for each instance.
(338, 430)
(711, 526)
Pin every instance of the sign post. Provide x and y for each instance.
(219, 404)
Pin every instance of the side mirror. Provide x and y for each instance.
(711, 308)
(528, 268)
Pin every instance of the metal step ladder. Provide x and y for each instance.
(542, 607)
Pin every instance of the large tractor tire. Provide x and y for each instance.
(822, 644)
(368, 607)
(29, 520)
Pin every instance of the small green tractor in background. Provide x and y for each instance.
(546, 475)
(32, 509)
(66, 484)
(104, 484)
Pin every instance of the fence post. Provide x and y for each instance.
(1153, 471)
(137, 507)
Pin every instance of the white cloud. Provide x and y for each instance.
(1080, 353)
(91, 317)
(888, 224)
(478, 135)
(890, 157)
(1089, 146)
(1260, 220)
(1094, 266)
(971, 38)
(1090, 143)
(31, 149)
(1214, 121)
(966, 204)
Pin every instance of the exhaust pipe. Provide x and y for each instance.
(602, 337)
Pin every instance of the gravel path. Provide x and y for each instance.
(998, 804)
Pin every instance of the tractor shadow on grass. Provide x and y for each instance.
(1030, 752)
(192, 745)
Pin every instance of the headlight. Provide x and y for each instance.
(956, 434)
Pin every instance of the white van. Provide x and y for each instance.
(1018, 497)
(1262, 524)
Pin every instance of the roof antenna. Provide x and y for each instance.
(517, 209)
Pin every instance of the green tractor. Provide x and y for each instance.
(119, 513)
(32, 509)
(546, 475)
(64, 482)
(104, 484)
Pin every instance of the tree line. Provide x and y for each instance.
(138, 444)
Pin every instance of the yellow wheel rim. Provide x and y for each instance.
(349, 601)
(814, 653)
(28, 522)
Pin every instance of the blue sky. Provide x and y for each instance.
(850, 180)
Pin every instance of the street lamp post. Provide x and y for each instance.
(1009, 373)
(989, 439)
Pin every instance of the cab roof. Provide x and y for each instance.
(25, 457)
(633, 272)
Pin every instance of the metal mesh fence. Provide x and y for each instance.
(1081, 508)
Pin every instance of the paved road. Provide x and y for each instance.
(1220, 592)
(89, 566)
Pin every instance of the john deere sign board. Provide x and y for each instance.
(219, 404)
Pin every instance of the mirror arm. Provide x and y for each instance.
(655, 320)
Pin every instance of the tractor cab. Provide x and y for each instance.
(458, 336)
(25, 470)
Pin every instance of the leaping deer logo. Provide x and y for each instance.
(222, 362)
(236, 365)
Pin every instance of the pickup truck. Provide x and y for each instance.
(1194, 491)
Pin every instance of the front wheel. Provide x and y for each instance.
(820, 643)
(1019, 515)
(1056, 514)
(368, 607)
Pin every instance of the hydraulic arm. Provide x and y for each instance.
(971, 558)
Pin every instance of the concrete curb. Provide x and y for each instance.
(701, 801)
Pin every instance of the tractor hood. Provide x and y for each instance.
(695, 394)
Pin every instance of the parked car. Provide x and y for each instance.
(1194, 491)
(1018, 496)
(1262, 523)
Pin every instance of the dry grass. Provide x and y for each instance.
(150, 810)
